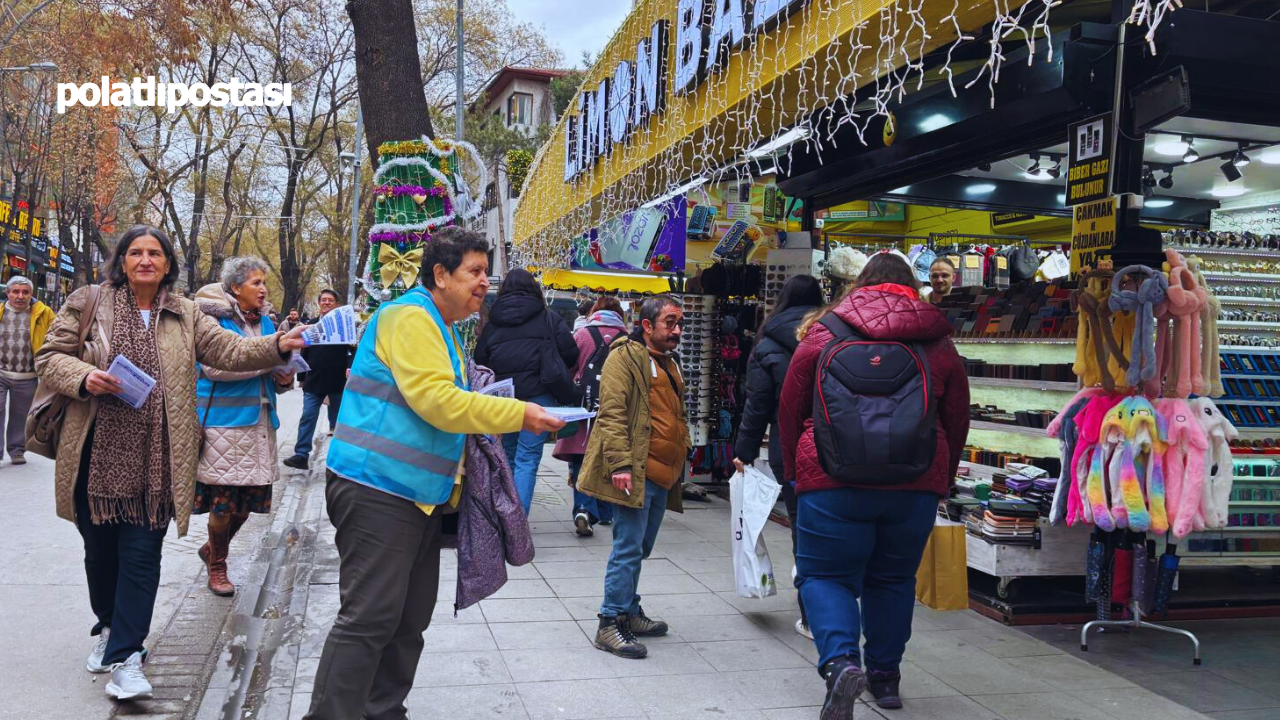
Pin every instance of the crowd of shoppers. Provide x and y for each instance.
(204, 441)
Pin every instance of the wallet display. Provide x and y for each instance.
(1025, 311)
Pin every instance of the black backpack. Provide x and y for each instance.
(589, 383)
(874, 422)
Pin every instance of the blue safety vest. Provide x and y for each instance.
(238, 403)
(380, 441)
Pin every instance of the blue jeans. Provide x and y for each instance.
(596, 510)
(524, 454)
(634, 532)
(857, 543)
(311, 417)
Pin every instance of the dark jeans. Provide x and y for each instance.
(311, 403)
(858, 543)
(596, 510)
(122, 563)
(388, 574)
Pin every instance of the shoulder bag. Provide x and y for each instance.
(48, 408)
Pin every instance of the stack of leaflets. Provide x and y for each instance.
(337, 327)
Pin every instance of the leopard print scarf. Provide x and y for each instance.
(129, 472)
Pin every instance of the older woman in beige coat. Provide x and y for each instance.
(237, 410)
(123, 473)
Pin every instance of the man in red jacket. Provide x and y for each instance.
(865, 542)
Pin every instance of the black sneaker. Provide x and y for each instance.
(582, 525)
(845, 682)
(884, 688)
(615, 636)
(644, 626)
(297, 461)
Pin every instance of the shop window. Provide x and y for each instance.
(519, 109)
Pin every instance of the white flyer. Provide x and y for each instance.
(338, 327)
(505, 388)
(296, 364)
(570, 414)
(135, 385)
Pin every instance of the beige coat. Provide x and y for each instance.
(240, 456)
(185, 336)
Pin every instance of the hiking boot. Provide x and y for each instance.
(95, 664)
(644, 626)
(128, 682)
(18, 459)
(615, 636)
(582, 525)
(298, 462)
(216, 562)
(884, 688)
(845, 682)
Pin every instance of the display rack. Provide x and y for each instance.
(697, 360)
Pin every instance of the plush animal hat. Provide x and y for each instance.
(1184, 471)
(1151, 291)
(1181, 351)
(1131, 445)
(1216, 493)
(846, 263)
(1064, 427)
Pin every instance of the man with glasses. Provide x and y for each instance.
(635, 458)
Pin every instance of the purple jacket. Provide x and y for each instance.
(610, 327)
(492, 528)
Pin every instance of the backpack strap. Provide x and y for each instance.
(597, 336)
(838, 327)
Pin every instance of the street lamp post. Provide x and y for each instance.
(354, 159)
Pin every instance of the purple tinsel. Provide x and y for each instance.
(393, 237)
(400, 190)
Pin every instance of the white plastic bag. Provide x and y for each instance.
(752, 497)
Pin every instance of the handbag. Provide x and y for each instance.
(554, 374)
(48, 408)
(942, 580)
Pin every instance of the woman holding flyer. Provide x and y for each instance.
(126, 469)
(237, 411)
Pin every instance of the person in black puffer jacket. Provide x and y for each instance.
(511, 345)
(766, 370)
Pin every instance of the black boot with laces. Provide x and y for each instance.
(615, 636)
(845, 682)
(884, 688)
(644, 626)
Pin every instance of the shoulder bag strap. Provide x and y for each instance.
(91, 312)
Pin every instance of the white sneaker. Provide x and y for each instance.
(128, 682)
(804, 629)
(94, 665)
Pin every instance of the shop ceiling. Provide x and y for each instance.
(942, 141)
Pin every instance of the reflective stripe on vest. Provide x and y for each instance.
(236, 403)
(379, 440)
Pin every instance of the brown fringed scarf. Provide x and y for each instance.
(129, 475)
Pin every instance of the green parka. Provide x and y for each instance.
(619, 439)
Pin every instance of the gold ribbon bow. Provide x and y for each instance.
(396, 264)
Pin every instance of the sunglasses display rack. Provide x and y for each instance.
(697, 362)
(782, 265)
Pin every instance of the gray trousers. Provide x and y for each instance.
(388, 574)
(16, 395)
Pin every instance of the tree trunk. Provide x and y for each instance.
(286, 235)
(388, 72)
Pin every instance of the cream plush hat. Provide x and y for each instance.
(846, 263)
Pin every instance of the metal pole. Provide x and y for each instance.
(459, 109)
(355, 208)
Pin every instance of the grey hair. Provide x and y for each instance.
(236, 270)
(19, 280)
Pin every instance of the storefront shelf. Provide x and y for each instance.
(1228, 252)
(1256, 433)
(1024, 384)
(1249, 325)
(1014, 341)
(1001, 427)
(1244, 558)
(1254, 503)
(1230, 300)
(1248, 348)
(1242, 277)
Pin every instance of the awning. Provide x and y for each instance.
(604, 282)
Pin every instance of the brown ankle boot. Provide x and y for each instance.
(219, 584)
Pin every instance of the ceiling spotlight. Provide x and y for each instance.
(1230, 171)
(1159, 202)
(1240, 159)
(1148, 178)
(1037, 171)
(1191, 155)
(1148, 190)
(985, 167)
(1174, 147)
(1166, 182)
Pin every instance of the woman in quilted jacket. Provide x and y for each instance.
(238, 417)
(864, 542)
(125, 470)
